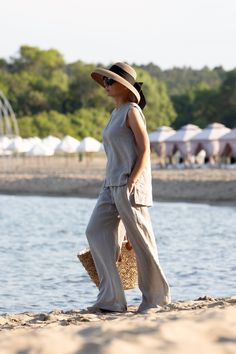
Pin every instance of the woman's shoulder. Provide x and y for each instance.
(133, 107)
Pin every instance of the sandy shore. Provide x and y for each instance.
(206, 325)
(69, 177)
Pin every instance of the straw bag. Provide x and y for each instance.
(127, 267)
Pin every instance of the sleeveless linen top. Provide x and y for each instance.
(121, 150)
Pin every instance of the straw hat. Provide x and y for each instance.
(125, 75)
(127, 268)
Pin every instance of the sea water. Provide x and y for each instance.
(41, 236)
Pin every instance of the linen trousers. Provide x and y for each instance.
(115, 214)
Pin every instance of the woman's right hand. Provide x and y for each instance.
(128, 245)
(130, 185)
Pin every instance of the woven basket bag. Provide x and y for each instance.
(127, 267)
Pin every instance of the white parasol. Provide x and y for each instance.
(89, 144)
(161, 134)
(51, 141)
(228, 143)
(39, 149)
(208, 139)
(68, 145)
(181, 140)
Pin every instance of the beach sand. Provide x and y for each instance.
(204, 326)
(60, 176)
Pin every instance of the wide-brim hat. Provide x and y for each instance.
(125, 75)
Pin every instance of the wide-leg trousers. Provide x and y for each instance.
(115, 214)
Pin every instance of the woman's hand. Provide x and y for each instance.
(130, 185)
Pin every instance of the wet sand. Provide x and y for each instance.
(69, 177)
(206, 325)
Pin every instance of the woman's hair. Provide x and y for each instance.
(132, 97)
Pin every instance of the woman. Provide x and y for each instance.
(125, 197)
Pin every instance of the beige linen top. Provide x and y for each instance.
(121, 150)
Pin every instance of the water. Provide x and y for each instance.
(41, 236)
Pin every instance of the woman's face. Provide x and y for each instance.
(116, 90)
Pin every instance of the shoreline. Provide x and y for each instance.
(223, 203)
(167, 186)
(204, 325)
(67, 176)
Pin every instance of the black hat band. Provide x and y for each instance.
(119, 71)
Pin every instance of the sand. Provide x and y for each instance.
(204, 326)
(60, 176)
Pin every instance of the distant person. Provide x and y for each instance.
(125, 197)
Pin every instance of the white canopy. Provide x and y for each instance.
(228, 143)
(51, 141)
(68, 145)
(185, 133)
(89, 144)
(161, 134)
(39, 149)
(208, 139)
(34, 140)
(212, 132)
(4, 142)
(19, 145)
(181, 140)
(230, 136)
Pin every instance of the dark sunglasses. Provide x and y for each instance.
(108, 81)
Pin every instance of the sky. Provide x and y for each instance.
(166, 32)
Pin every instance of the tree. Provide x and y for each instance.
(50, 96)
(83, 90)
(38, 81)
(89, 122)
(226, 100)
(159, 110)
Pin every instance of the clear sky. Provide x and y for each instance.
(166, 32)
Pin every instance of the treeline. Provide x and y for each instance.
(50, 96)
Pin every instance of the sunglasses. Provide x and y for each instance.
(108, 81)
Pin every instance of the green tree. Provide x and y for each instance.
(159, 110)
(27, 127)
(83, 91)
(226, 100)
(38, 81)
(89, 122)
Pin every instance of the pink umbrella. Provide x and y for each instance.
(180, 141)
(208, 139)
(158, 137)
(228, 143)
(161, 134)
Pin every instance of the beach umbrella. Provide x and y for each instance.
(161, 134)
(34, 140)
(208, 139)
(180, 141)
(102, 148)
(51, 141)
(157, 140)
(228, 143)
(68, 145)
(39, 149)
(89, 144)
(18, 145)
(4, 142)
(31, 142)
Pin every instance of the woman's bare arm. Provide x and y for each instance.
(135, 122)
